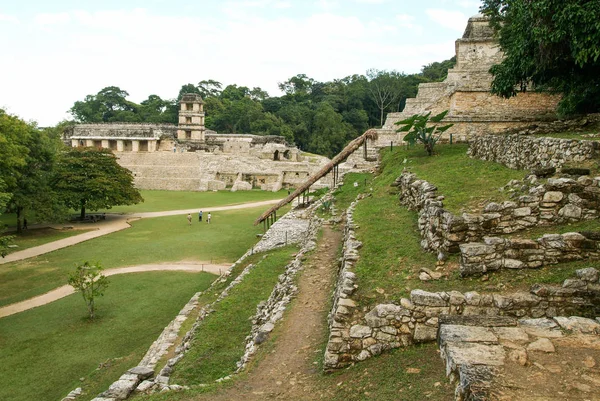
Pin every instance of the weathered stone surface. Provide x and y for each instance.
(542, 327)
(143, 372)
(449, 333)
(424, 333)
(120, 389)
(553, 196)
(360, 331)
(541, 345)
(420, 297)
(513, 334)
(578, 324)
(588, 274)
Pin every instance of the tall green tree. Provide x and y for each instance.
(33, 195)
(108, 105)
(89, 178)
(550, 45)
(385, 90)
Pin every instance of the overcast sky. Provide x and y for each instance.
(55, 52)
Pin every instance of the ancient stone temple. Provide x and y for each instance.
(187, 156)
(465, 93)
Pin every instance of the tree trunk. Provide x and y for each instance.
(82, 215)
(381, 118)
(19, 212)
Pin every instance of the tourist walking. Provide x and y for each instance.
(208, 216)
(200, 216)
(189, 218)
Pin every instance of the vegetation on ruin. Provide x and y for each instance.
(46, 350)
(220, 339)
(423, 129)
(156, 240)
(391, 255)
(548, 45)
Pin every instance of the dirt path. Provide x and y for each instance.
(114, 223)
(66, 290)
(289, 372)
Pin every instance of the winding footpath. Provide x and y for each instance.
(112, 224)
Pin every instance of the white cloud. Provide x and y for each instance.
(145, 52)
(52, 18)
(370, 1)
(9, 18)
(450, 19)
(469, 3)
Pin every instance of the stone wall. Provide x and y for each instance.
(501, 253)
(559, 200)
(355, 336)
(202, 171)
(120, 131)
(529, 152)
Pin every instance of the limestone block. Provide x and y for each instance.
(451, 333)
(120, 389)
(424, 333)
(143, 372)
(542, 327)
(553, 196)
(513, 334)
(512, 264)
(522, 212)
(570, 211)
(241, 186)
(578, 324)
(360, 331)
(420, 297)
(476, 249)
(588, 274)
(214, 185)
(541, 345)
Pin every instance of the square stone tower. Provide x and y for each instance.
(191, 118)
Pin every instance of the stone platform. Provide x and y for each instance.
(501, 358)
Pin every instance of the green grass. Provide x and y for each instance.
(347, 193)
(214, 354)
(467, 184)
(537, 232)
(391, 256)
(164, 239)
(156, 201)
(40, 236)
(46, 350)
(387, 378)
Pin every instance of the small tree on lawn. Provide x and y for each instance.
(418, 129)
(89, 280)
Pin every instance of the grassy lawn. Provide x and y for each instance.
(468, 184)
(40, 236)
(156, 240)
(156, 201)
(214, 355)
(46, 350)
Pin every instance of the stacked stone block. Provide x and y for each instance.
(416, 320)
(497, 253)
(560, 200)
(529, 152)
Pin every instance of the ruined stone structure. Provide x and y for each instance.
(189, 157)
(356, 336)
(559, 200)
(465, 93)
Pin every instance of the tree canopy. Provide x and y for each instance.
(351, 104)
(89, 178)
(550, 45)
